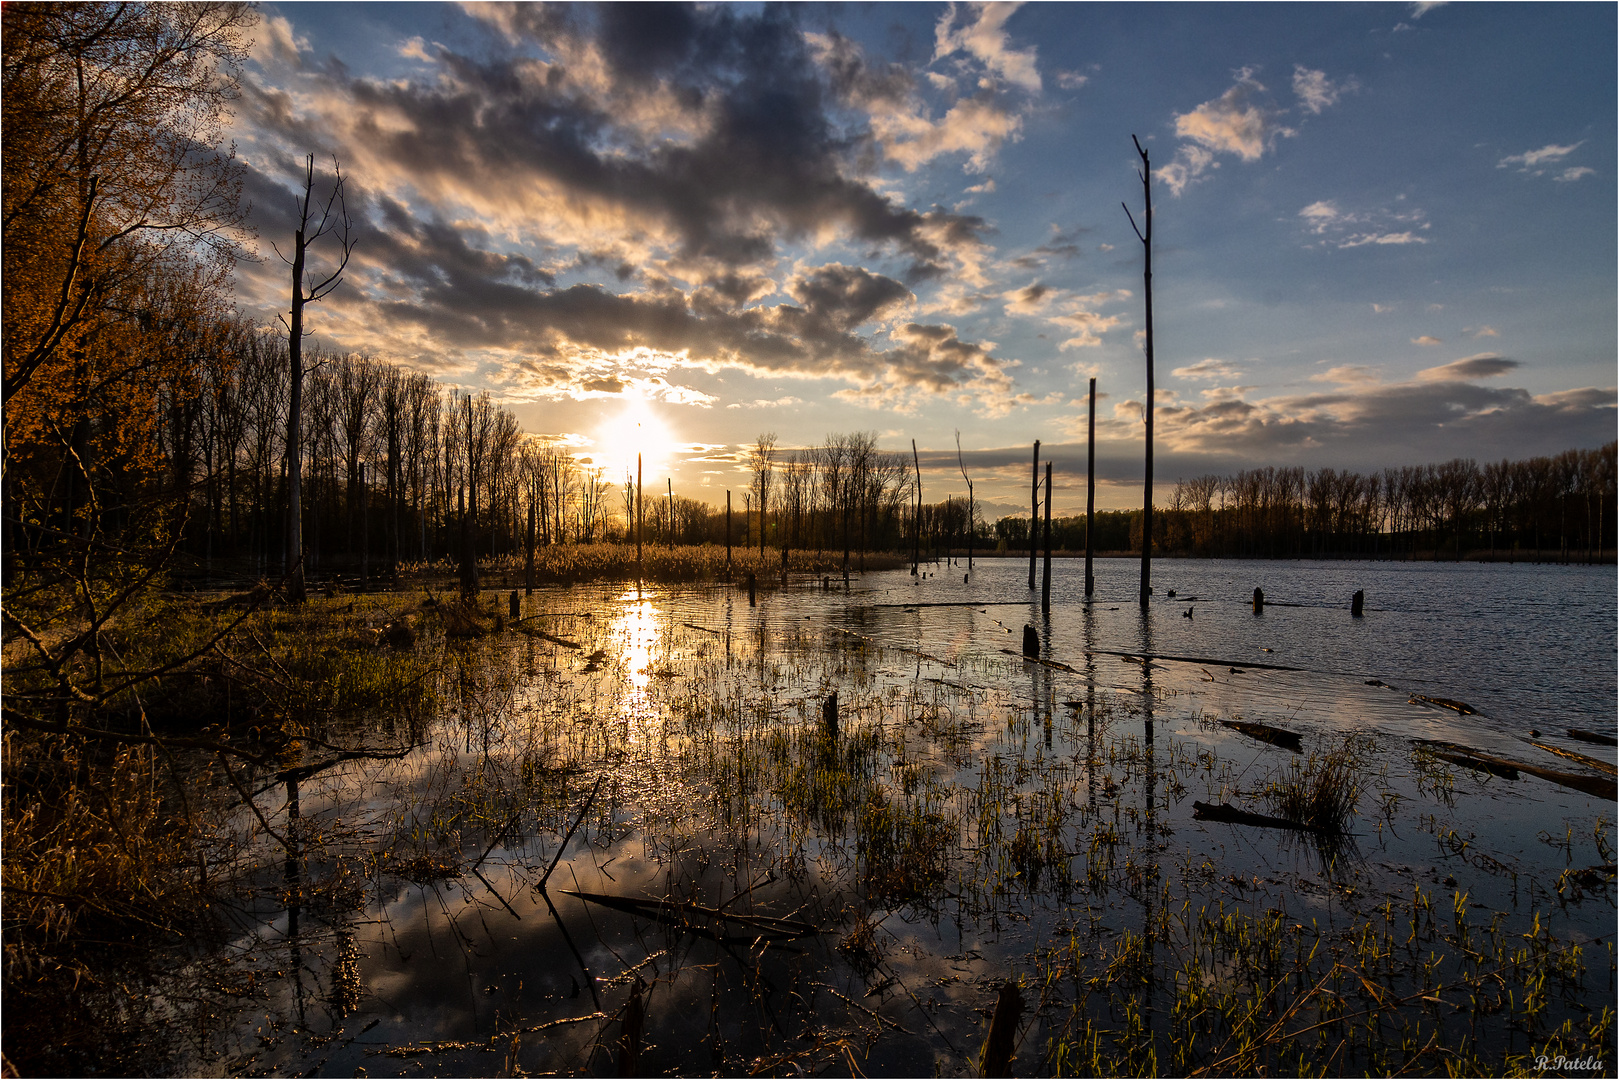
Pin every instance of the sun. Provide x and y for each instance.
(636, 429)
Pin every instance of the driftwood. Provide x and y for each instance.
(1203, 811)
(1599, 786)
(1289, 740)
(1592, 737)
(1445, 703)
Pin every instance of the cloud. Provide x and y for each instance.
(1028, 300)
(1483, 331)
(277, 43)
(1535, 162)
(1382, 309)
(1367, 424)
(1234, 123)
(1210, 368)
(1426, 339)
(703, 137)
(1346, 229)
(1071, 80)
(1422, 7)
(1480, 366)
(1317, 92)
(981, 33)
(1349, 375)
(1240, 121)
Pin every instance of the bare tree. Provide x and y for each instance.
(762, 460)
(314, 223)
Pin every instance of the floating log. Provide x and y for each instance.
(1592, 737)
(1203, 811)
(1445, 703)
(1290, 740)
(1599, 786)
(1002, 1040)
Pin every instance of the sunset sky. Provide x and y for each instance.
(1385, 234)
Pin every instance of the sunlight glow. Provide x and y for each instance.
(636, 429)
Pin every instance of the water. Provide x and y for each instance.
(978, 818)
(1527, 645)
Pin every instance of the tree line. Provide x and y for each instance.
(1561, 506)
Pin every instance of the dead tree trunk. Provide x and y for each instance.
(1145, 236)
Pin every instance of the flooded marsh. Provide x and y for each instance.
(659, 830)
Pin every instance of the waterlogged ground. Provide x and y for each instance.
(773, 897)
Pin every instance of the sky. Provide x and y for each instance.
(1383, 234)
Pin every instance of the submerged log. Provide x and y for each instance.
(1203, 811)
(1483, 765)
(1592, 737)
(1290, 740)
(1445, 703)
(1600, 787)
(1590, 762)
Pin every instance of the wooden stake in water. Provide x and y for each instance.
(829, 717)
(1259, 601)
(727, 530)
(1034, 514)
(1002, 1040)
(1031, 642)
(1357, 603)
(1045, 588)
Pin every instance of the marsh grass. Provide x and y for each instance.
(1321, 793)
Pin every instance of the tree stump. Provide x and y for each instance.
(1031, 642)
(1357, 603)
(1259, 601)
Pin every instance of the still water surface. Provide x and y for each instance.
(698, 725)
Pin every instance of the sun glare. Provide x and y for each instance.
(637, 429)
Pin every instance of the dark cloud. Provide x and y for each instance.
(1482, 366)
(763, 161)
(847, 296)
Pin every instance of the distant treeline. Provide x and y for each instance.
(1564, 504)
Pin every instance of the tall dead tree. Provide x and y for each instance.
(1090, 495)
(332, 220)
(1145, 236)
(971, 517)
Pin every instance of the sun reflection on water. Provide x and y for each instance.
(636, 625)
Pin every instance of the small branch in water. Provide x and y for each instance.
(583, 810)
